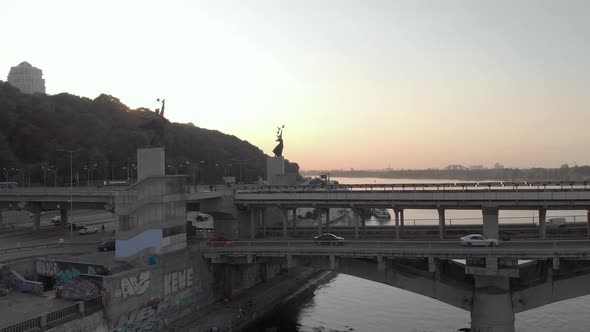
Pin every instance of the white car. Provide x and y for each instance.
(478, 240)
(88, 230)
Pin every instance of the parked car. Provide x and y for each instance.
(478, 240)
(218, 241)
(107, 246)
(328, 238)
(87, 230)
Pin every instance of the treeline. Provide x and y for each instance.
(564, 173)
(106, 134)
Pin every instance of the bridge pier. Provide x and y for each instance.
(328, 220)
(542, 226)
(253, 227)
(490, 222)
(441, 223)
(63, 213)
(401, 221)
(294, 214)
(35, 209)
(262, 223)
(491, 307)
(588, 223)
(396, 213)
(284, 216)
(318, 214)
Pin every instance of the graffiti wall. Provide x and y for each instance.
(72, 280)
(152, 297)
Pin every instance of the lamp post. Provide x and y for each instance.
(71, 152)
(6, 173)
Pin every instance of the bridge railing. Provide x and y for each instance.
(454, 186)
(9, 250)
(370, 245)
(57, 317)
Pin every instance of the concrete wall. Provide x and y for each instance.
(150, 162)
(152, 297)
(91, 323)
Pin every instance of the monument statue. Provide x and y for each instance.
(156, 123)
(278, 150)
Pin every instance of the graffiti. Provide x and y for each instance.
(62, 277)
(134, 285)
(47, 268)
(176, 281)
(91, 271)
(79, 289)
(154, 315)
(28, 286)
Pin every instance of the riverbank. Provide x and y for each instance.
(254, 303)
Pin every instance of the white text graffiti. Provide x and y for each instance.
(176, 281)
(134, 285)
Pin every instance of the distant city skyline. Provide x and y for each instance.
(414, 84)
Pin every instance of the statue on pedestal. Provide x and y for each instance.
(156, 123)
(278, 150)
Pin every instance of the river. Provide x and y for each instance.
(347, 303)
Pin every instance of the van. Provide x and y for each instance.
(555, 222)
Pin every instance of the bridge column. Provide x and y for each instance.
(284, 215)
(491, 307)
(490, 222)
(253, 227)
(363, 223)
(262, 223)
(318, 216)
(401, 221)
(396, 213)
(328, 220)
(294, 222)
(588, 223)
(542, 226)
(356, 227)
(441, 223)
(35, 209)
(63, 213)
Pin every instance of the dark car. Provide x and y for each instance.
(328, 238)
(107, 246)
(218, 241)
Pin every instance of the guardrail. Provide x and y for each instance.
(44, 246)
(454, 186)
(405, 248)
(57, 317)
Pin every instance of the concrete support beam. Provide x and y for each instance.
(396, 213)
(363, 223)
(431, 264)
(490, 222)
(356, 228)
(542, 226)
(284, 216)
(319, 213)
(35, 209)
(491, 307)
(588, 223)
(441, 223)
(294, 221)
(556, 263)
(252, 223)
(328, 220)
(380, 264)
(262, 222)
(63, 213)
(333, 262)
(291, 262)
(401, 221)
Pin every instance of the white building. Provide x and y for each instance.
(27, 78)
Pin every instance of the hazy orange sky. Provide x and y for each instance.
(358, 84)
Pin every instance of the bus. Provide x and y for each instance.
(8, 185)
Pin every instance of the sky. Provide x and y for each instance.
(358, 84)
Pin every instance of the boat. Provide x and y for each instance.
(381, 214)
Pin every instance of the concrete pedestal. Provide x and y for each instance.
(275, 166)
(490, 222)
(150, 162)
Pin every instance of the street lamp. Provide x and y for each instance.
(6, 172)
(71, 152)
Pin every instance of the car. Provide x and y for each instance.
(478, 240)
(328, 238)
(75, 227)
(202, 217)
(87, 230)
(107, 245)
(218, 241)
(555, 222)
(56, 220)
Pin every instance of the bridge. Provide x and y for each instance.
(481, 280)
